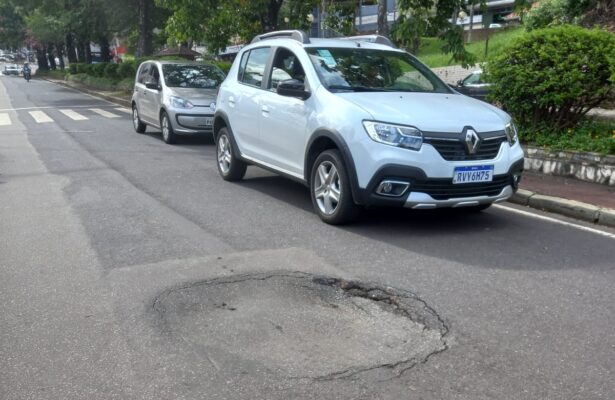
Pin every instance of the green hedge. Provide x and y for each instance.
(127, 69)
(549, 78)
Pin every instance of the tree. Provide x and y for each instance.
(435, 17)
(12, 27)
(144, 44)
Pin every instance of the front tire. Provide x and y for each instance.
(330, 189)
(168, 135)
(230, 167)
(136, 121)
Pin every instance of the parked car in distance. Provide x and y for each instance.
(473, 85)
(11, 69)
(361, 123)
(176, 97)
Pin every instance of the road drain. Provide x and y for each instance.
(298, 325)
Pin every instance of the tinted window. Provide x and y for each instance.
(143, 72)
(473, 79)
(355, 69)
(242, 65)
(255, 66)
(285, 66)
(192, 76)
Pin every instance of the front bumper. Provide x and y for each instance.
(428, 193)
(190, 124)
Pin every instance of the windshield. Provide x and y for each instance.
(356, 69)
(192, 76)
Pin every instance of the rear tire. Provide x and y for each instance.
(330, 189)
(230, 167)
(136, 121)
(168, 135)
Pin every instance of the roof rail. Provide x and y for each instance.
(379, 39)
(297, 35)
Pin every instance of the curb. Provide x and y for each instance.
(570, 208)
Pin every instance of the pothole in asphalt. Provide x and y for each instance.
(298, 325)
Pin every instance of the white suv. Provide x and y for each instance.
(362, 124)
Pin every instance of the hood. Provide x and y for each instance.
(430, 112)
(198, 97)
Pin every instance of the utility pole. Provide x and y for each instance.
(383, 23)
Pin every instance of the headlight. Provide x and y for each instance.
(178, 102)
(511, 133)
(394, 135)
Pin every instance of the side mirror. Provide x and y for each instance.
(460, 82)
(152, 85)
(293, 88)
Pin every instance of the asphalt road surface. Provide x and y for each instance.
(130, 270)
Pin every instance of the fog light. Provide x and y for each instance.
(516, 181)
(392, 188)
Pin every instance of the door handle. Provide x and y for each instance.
(231, 101)
(265, 109)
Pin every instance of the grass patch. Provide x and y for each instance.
(103, 84)
(590, 135)
(53, 74)
(430, 51)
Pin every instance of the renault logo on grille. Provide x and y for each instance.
(472, 141)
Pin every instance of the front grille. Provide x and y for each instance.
(455, 150)
(444, 189)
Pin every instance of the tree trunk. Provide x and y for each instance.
(105, 51)
(471, 21)
(41, 59)
(383, 23)
(269, 20)
(61, 55)
(70, 48)
(144, 45)
(81, 51)
(51, 58)
(88, 53)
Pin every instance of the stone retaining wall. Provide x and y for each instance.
(590, 167)
(454, 73)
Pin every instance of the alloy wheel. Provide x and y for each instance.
(224, 154)
(165, 128)
(327, 188)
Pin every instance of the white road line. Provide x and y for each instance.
(124, 110)
(48, 107)
(5, 119)
(556, 221)
(40, 117)
(73, 115)
(104, 113)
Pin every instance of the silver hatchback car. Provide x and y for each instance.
(177, 98)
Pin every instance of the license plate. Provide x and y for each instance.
(209, 121)
(476, 173)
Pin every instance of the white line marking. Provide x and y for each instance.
(73, 115)
(556, 221)
(40, 117)
(49, 107)
(124, 110)
(5, 119)
(104, 113)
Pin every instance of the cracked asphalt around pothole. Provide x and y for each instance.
(130, 270)
(299, 326)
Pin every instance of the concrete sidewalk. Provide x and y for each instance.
(586, 201)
